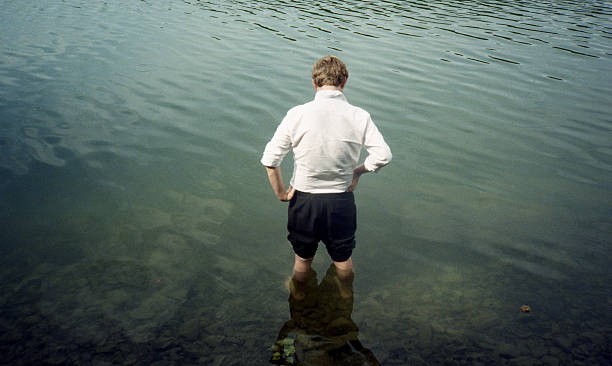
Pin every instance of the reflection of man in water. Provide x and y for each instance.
(321, 320)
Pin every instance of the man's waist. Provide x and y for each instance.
(323, 195)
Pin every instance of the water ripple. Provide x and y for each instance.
(472, 84)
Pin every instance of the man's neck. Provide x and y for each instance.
(328, 87)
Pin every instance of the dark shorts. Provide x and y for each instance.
(327, 217)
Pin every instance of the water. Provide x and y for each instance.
(139, 228)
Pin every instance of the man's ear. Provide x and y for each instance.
(314, 85)
(343, 83)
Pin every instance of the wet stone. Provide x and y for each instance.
(190, 329)
(161, 363)
(196, 348)
(411, 332)
(123, 347)
(12, 336)
(536, 348)
(524, 361)
(507, 351)
(129, 359)
(425, 334)
(593, 338)
(101, 363)
(550, 361)
(32, 319)
(458, 348)
(164, 343)
(214, 340)
(218, 361)
(105, 348)
(56, 359)
(563, 342)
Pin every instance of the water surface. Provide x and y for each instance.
(139, 227)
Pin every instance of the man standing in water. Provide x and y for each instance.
(326, 136)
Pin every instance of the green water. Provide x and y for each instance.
(138, 226)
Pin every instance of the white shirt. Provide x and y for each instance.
(326, 136)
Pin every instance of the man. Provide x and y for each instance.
(326, 137)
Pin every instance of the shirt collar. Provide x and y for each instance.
(325, 94)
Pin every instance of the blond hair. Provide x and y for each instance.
(329, 70)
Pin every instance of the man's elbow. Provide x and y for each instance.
(374, 163)
(385, 158)
(389, 157)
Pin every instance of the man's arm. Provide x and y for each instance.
(276, 181)
(379, 154)
(357, 172)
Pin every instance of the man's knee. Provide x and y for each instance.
(305, 261)
(346, 266)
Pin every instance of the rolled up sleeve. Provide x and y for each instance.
(379, 153)
(278, 147)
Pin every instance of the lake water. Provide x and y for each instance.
(138, 226)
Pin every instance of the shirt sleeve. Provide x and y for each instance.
(278, 147)
(379, 153)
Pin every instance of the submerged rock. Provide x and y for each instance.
(190, 329)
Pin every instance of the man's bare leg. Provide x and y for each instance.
(301, 269)
(344, 271)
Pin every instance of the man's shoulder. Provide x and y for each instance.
(342, 107)
(314, 104)
(300, 109)
(358, 113)
(360, 110)
(354, 109)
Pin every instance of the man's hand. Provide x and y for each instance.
(276, 181)
(287, 195)
(357, 172)
(353, 185)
